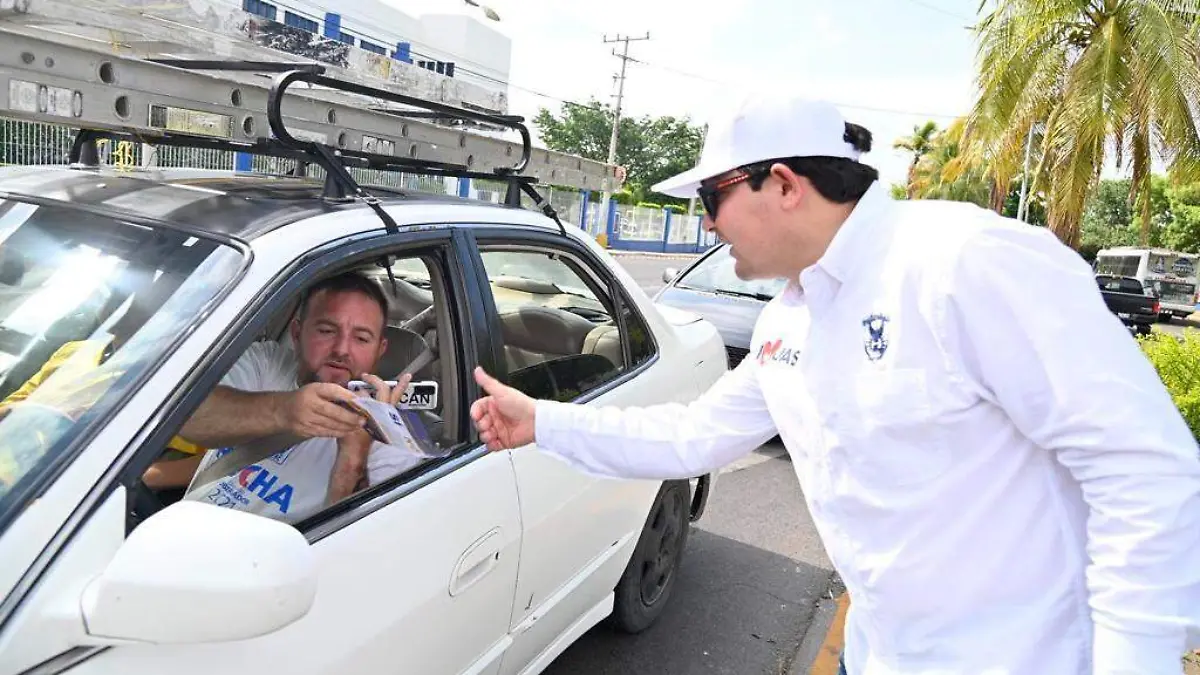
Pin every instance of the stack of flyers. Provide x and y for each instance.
(399, 428)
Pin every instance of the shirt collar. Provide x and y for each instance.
(846, 253)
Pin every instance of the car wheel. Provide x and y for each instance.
(645, 587)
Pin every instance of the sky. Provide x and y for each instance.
(888, 64)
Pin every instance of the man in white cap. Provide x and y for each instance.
(995, 469)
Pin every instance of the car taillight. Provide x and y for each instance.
(1156, 307)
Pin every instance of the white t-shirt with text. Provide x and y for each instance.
(294, 483)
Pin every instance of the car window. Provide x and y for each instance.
(561, 334)
(299, 476)
(1175, 290)
(1121, 285)
(716, 274)
(87, 304)
(1132, 286)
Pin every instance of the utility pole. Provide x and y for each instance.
(612, 142)
(1023, 204)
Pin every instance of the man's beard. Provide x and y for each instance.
(305, 376)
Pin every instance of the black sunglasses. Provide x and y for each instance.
(710, 195)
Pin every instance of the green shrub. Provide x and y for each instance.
(675, 208)
(1177, 361)
(624, 197)
(650, 205)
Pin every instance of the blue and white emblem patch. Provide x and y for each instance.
(875, 340)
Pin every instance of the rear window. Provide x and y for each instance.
(87, 304)
(1121, 285)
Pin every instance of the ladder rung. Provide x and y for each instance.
(48, 81)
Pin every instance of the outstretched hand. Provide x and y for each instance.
(504, 417)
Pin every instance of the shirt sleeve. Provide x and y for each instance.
(1025, 317)
(667, 441)
(260, 368)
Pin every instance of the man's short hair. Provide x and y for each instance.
(837, 179)
(344, 283)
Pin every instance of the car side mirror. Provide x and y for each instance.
(195, 573)
(669, 274)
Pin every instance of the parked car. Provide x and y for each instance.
(710, 288)
(473, 561)
(1129, 300)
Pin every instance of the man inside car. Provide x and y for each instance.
(292, 449)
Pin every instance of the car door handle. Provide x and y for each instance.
(480, 558)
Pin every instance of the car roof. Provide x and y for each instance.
(239, 205)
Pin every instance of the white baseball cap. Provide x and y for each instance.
(762, 127)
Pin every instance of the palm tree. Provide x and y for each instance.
(943, 172)
(918, 144)
(1103, 76)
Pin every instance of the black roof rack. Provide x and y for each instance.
(339, 184)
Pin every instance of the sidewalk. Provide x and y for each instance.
(620, 253)
(825, 659)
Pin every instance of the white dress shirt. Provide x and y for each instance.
(994, 467)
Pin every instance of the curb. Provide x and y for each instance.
(821, 643)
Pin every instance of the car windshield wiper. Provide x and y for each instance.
(742, 294)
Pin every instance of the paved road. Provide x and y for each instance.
(753, 571)
(648, 270)
(1176, 327)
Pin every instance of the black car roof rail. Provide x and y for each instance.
(339, 184)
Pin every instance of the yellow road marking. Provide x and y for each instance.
(826, 662)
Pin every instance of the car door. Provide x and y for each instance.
(415, 575)
(551, 301)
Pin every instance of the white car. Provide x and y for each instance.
(126, 296)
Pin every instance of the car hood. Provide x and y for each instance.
(676, 316)
(733, 317)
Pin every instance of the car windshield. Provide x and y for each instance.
(715, 274)
(87, 304)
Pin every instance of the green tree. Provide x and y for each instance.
(651, 149)
(1093, 74)
(944, 173)
(586, 130)
(1109, 219)
(1182, 233)
(918, 143)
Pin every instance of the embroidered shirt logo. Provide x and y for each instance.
(775, 351)
(875, 341)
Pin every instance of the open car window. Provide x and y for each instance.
(291, 478)
(87, 304)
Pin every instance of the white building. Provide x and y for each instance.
(459, 46)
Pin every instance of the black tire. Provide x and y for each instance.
(645, 587)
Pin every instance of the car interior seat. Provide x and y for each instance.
(604, 341)
(408, 352)
(533, 334)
